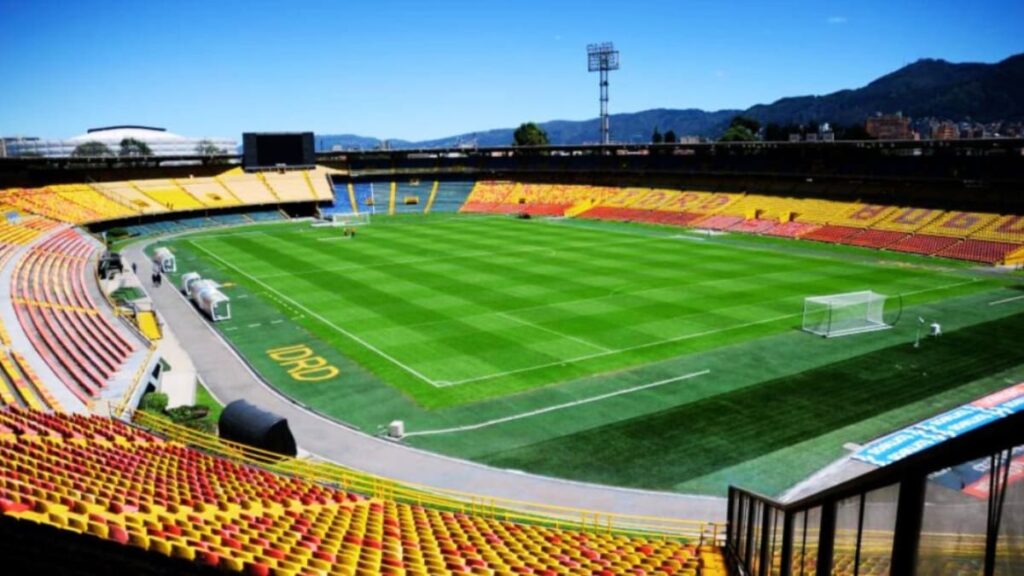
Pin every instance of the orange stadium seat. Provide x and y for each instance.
(60, 317)
(104, 478)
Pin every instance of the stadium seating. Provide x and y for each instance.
(861, 215)
(23, 387)
(754, 226)
(60, 317)
(248, 188)
(984, 251)
(1003, 229)
(875, 238)
(719, 222)
(924, 244)
(104, 479)
(130, 196)
(319, 182)
(342, 203)
(46, 202)
(450, 195)
(412, 195)
(208, 191)
(24, 229)
(834, 234)
(792, 229)
(908, 220)
(105, 205)
(291, 186)
(168, 193)
(959, 224)
(365, 200)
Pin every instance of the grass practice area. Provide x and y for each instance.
(617, 353)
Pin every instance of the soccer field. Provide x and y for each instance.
(492, 337)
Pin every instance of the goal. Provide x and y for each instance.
(844, 314)
(344, 220)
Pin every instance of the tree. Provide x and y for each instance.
(656, 137)
(746, 122)
(208, 148)
(529, 134)
(738, 134)
(741, 129)
(134, 148)
(670, 137)
(92, 149)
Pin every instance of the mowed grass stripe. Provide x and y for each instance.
(427, 296)
(721, 431)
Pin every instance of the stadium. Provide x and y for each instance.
(705, 358)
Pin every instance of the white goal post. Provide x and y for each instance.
(844, 314)
(344, 220)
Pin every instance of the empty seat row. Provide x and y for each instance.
(104, 479)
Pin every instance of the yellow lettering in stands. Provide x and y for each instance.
(302, 363)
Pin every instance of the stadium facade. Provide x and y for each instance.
(160, 141)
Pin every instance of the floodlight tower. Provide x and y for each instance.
(603, 58)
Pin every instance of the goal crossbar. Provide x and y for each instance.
(844, 314)
(342, 219)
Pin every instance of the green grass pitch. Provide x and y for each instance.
(634, 355)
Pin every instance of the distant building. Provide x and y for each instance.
(946, 131)
(889, 127)
(159, 140)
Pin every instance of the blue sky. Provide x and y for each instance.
(422, 69)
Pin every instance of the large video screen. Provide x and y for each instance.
(268, 150)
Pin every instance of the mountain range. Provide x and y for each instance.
(926, 88)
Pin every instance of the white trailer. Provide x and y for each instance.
(165, 260)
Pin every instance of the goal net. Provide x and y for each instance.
(843, 314)
(344, 220)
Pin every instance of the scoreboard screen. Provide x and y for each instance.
(276, 149)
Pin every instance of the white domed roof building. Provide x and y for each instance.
(160, 142)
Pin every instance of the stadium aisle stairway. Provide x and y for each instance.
(60, 317)
(83, 195)
(105, 479)
(209, 191)
(342, 203)
(130, 196)
(169, 194)
(248, 188)
(290, 186)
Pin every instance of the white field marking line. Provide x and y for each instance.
(619, 350)
(333, 238)
(414, 261)
(617, 292)
(668, 340)
(325, 321)
(558, 406)
(550, 331)
(1006, 300)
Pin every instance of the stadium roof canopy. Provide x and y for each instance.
(118, 133)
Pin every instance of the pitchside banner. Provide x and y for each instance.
(957, 421)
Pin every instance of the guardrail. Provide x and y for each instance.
(649, 527)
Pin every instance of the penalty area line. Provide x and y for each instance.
(1006, 300)
(556, 407)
